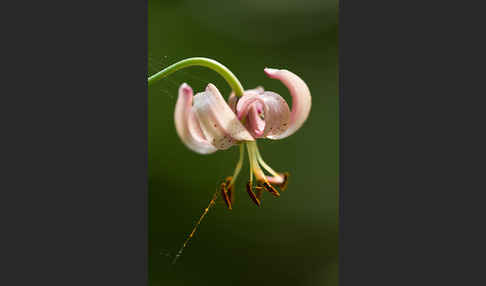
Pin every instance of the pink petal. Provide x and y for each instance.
(187, 127)
(246, 102)
(301, 99)
(274, 108)
(258, 89)
(255, 124)
(218, 122)
(233, 100)
(277, 114)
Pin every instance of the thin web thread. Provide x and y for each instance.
(155, 64)
(211, 203)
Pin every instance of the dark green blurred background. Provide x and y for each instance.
(292, 240)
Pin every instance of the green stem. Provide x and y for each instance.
(230, 78)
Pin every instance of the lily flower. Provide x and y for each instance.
(207, 123)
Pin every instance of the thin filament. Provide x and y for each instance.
(250, 159)
(238, 165)
(254, 166)
(265, 165)
(211, 203)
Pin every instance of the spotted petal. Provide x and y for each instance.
(269, 105)
(233, 100)
(301, 100)
(187, 125)
(218, 122)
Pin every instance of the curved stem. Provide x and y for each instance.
(205, 62)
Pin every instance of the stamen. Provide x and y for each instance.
(226, 187)
(225, 195)
(271, 189)
(253, 155)
(254, 166)
(250, 159)
(229, 188)
(238, 166)
(259, 192)
(252, 195)
(211, 203)
(265, 165)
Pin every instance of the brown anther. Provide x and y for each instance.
(259, 192)
(271, 189)
(252, 195)
(229, 188)
(224, 194)
(228, 180)
(283, 185)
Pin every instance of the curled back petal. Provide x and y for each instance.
(187, 126)
(218, 122)
(276, 114)
(246, 102)
(267, 114)
(258, 89)
(233, 100)
(255, 124)
(301, 99)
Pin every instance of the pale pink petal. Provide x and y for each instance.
(187, 127)
(233, 100)
(258, 89)
(218, 122)
(247, 109)
(301, 99)
(246, 102)
(276, 114)
(195, 127)
(273, 108)
(255, 124)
